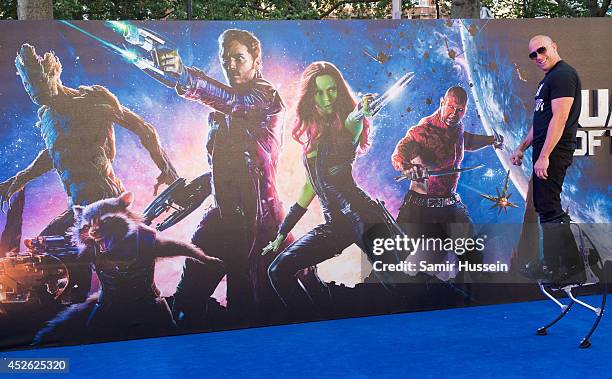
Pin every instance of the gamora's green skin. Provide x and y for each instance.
(326, 94)
(325, 98)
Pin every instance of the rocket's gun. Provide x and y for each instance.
(40, 271)
(56, 245)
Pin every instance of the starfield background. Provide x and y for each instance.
(487, 59)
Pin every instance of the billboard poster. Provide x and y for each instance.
(171, 177)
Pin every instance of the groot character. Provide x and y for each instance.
(77, 128)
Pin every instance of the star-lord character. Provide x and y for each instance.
(245, 136)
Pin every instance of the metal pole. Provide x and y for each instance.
(189, 10)
(396, 10)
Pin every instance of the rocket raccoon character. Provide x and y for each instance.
(122, 251)
(76, 125)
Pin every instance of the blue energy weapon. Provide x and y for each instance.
(141, 38)
(150, 42)
(378, 103)
(181, 197)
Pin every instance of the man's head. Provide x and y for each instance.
(453, 105)
(40, 75)
(543, 51)
(240, 54)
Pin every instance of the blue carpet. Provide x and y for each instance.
(472, 342)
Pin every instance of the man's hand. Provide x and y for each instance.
(416, 172)
(168, 176)
(169, 61)
(517, 157)
(498, 141)
(7, 190)
(541, 167)
(273, 246)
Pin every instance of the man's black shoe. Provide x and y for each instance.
(569, 275)
(536, 270)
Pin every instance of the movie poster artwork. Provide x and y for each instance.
(160, 178)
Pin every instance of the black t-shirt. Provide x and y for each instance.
(561, 81)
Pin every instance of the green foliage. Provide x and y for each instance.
(291, 9)
(8, 10)
(547, 8)
(212, 9)
(115, 10)
(252, 10)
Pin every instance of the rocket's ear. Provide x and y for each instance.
(126, 199)
(77, 210)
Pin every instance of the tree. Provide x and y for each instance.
(598, 11)
(298, 9)
(212, 10)
(8, 10)
(465, 9)
(548, 8)
(35, 9)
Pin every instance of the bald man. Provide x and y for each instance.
(432, 207)
(553, 137)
